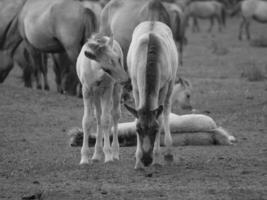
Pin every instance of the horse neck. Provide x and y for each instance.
(149, 100)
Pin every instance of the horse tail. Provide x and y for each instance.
(222, 137)
(236, 9)
(27, 69)
(90, 23)
(223, 14)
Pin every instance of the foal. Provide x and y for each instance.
(152, 64)
(99, 68)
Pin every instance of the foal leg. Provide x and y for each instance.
(105, 120)
(116, 113)
(86, 124)
(99, 133)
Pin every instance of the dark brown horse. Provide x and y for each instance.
(47, 26)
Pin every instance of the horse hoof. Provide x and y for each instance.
(169, 158)
(84, 162)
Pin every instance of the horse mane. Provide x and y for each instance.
(159, 12)
(152, 71)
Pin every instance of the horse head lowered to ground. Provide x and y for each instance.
(152, 65)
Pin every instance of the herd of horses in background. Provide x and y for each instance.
(103, 39)
(32, 32)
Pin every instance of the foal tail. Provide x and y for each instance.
(236, 9)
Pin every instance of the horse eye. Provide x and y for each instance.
(188, 96)
(119, 61)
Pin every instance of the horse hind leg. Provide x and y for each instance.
(247, 25)
(44, 71)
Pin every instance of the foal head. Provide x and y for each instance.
(181, 94)
(147, 128)
(108, 53)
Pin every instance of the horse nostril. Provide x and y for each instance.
(147, 160)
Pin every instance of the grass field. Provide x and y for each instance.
(35, 157)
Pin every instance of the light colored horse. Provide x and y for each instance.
(152, 64)
(99, 68)
(181, 94)
(50, 26)
(120, 17)
(206, 10)
(251, 10)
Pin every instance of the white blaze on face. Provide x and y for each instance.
(146, 143)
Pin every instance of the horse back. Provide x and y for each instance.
(167, 51)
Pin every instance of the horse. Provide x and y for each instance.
(47, 26)
(25, 57)
(206, 10)
(152, 63)
(62, 65)
(251, 10)
(120, 17)
(181, 94)
(100, 71)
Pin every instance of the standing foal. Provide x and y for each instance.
(99, 68)
(152, 64)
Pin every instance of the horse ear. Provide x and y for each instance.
(90, 55)
(179, 81)
(157, 112)
(110, 41)
(131, 110)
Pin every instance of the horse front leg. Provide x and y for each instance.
(105, 120)
(167, 133)
(116, 113)
(86, 124)
(99, 132)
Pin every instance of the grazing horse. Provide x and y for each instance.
(152, 64)
(25, 57)
(120, 17)
(47, 25)
(100, 68)
(206, 10)
(251, 10)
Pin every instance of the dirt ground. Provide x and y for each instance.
(35, 158)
